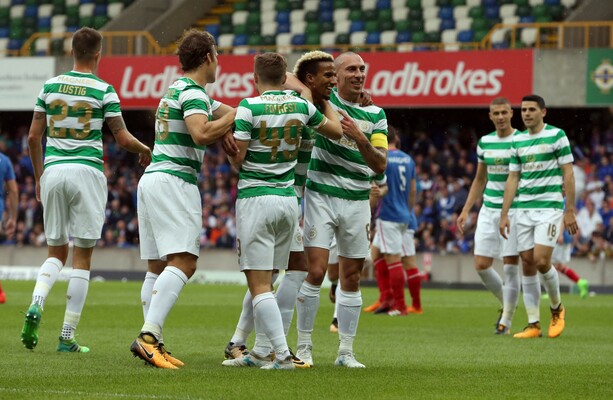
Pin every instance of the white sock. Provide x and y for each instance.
(510, 293)
(338, 288)
(532, 297)
(146, 291)
(75, 300)
(349, 307)
(244, 327)
(286, 296)
(306, 308)
(266, 313)
(492, 281)
(47, 275)
(165, 294)
(551, 281)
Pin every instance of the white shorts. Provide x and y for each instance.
(297, 244)
(390, 236)
(540, 227)
(74, 197)
(265, 227)
(169, 216)
(326, 217)
(408, 243)
(561, 253)
(333, 255)
(488, 240)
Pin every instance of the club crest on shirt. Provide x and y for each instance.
(312, 233)
(298, 238)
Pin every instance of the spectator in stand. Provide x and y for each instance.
(587, 220)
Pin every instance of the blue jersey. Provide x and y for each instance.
(399, 172)
(6, 174)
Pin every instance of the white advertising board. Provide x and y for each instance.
(21, 79)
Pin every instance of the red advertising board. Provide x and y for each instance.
(417, 79)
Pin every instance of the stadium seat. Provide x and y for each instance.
(356, 26)
(463, 24)
(297, 16)
(213, 29)
(371, 26)
(508, 10)
(309, 5)
(460, 12)
(433, 37)
(449, 36)
(239, 29)
(430, 13)
(457, 3)
(283, 28)
(403, 37)
(428, 3)
(369, 5)
(269, 28)
(553, 2)
(225, 40)
(313, 39)
(100, 9)
(528, 36)
(355, 15)
(328, 39)
(400, 14)
(239, 17)
(418, 37)
(342, 26)
(512, 20)
(476, 12)
(524, 11)
(99, 21)
(298, 27)
(373, 38)
(489, 3)
(445, 12)
(413, 4)
(416, 13)
(115, 9)
(341, 14)
(45, 10)
(268, 40)
(312, 28)
(298, 40)
(465, 36)
(432, 25)
(284, 39)
(492, 12)
(447, 24)
(403, 26)
(386, 26)
(282, 17)
(4, 33)
(357, 38)
(499, 35)
(342, 38)
(389, 37)
(41, 46)
(536, 2)
(479, 24)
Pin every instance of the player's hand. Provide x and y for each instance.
(570, 223)
(144, 159)
(375, 191)
(365, 99)
(460, 222)
(505, 226)
(350, 128)
(229, 144)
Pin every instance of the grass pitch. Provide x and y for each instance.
(449, 352)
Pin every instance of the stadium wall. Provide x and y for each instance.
(222, 266)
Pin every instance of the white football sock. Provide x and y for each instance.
(551, 281)
(306, 308)
(338, 288)
(47, 275)
(75, 300)
(349, 307)
(165, 294)
(510, 293)
(146, 291)
(245, 325)
(268, 319)
(286, 296)
(532, 297)
(492, 281)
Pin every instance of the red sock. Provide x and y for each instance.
(572, 275)
(383, 280)
(414, 283)
(397, 278)
(0, 287)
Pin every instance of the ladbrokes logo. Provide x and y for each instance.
(414, 81)
(143, 86)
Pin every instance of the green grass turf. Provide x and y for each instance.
(448, 352)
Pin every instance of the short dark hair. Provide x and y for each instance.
(499, 101)
(193, 48)
(309, 63)
(86, 42)
(392, 134)
(270, 68)
(536, 98)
